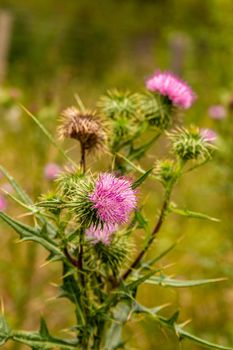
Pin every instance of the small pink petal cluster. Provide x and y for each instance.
(167, 84)
(208, 135)
(51, 171)
(217, 112)
(113, 198)
(98, 234)
(3, 203)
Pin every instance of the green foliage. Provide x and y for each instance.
(98, 277)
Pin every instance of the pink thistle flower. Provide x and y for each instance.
(217, 112)
(208, 135)
(98, 234)
(113, 198)
(51, 171)
(3, 203)
(168, 84)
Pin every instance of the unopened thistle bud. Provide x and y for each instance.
(165, 171)
(85, 127)
(118, 104)
(156, 111)
(189, 144)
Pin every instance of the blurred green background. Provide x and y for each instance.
(50, 50)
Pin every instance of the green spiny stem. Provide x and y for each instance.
(159, 223)
(83, 158)
(152, 237)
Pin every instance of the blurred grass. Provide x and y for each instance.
(87, 47)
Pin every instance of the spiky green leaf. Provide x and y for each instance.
(165, 281)
(28, 233)
(141, 179)
(191, 214)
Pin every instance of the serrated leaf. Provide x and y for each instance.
(192, 214)
(170, 282)
(24, 197)
(70, 289)
(150, 262)
(28, 233)
(4, 330)
(113, 339)
(183, 334)
(36, 341)
(141, 179)
(139, 280)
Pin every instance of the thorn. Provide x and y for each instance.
(185, 323)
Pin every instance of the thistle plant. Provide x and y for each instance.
(87, 222)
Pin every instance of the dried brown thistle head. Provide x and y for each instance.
(85, 127)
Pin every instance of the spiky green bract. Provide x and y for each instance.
(165, 171)
(68, 181)
(113, 255)
(157, 110)
(117, 104)
(122, 111)
(52, 202)
(76, 194)
(188, 144)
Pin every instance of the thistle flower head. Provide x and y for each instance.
(85, 127)
(156, 111)
(189, 144)
(101, 234)
(117, 104)
(208, 135)
(51, 171)
(169, 85)
(217, 112)
(113, 198)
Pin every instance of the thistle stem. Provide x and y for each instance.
(83, 158)
(152, 237)
(72, 260)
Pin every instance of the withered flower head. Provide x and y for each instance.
(85, 127)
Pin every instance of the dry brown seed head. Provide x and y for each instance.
(85, 127)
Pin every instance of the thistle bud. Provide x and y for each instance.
(157, 111)
(189, 144)
(118, 104)
(165, 171)
(85, 127)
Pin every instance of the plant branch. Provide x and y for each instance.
(152, 237)
(83, 158)
(72, 260)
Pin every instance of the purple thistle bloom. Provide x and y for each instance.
(51, 171)
(98, 234)
(208, 135)
(217, 112)
(3, 203)
(113, 198)
(168, 84)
